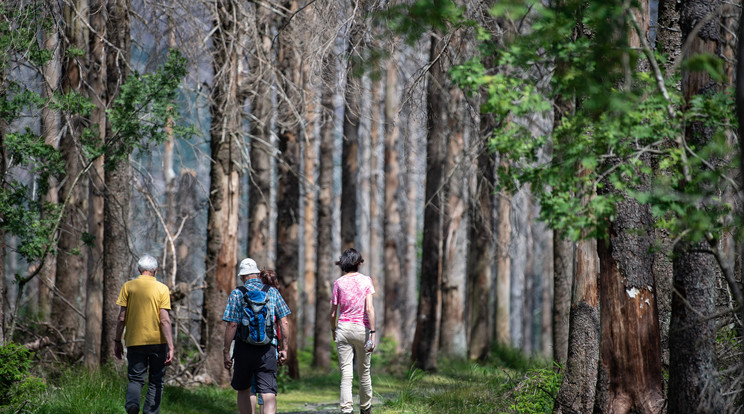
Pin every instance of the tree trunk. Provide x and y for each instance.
(116, 256)
(327, 272)
(503, 269)
(578, 389)
(224, 186)
(50, 128)
(630, 364)
(426, 338)
(374, 254)
(563, 264)
(693, 377)
(70, 251)
(98, 92)
(740, 130)
(350, 159)
(263, 120)
(308, 192)
(481, 258)
(287, 260)
(395, 284)
(288, 188)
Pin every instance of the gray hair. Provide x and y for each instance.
(147, 262)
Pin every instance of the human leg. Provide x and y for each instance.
(269, 403)
(346, 339)
(136, 370)
(364, 362)
(156, 355)
(244, 402)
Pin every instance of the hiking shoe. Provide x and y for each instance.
(367, 411)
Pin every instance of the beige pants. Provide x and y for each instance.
(350, 338)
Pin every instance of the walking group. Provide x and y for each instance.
(256, 335)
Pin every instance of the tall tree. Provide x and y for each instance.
(224, 187)
(325, 263)
(288, 185)
(116, 258)
(426, 338)
(693, 377)
(96, 75)
(630, 363)
(70, 249)
(395, 284)
(50, 128)
(481, 257)
(503, 267)
(263, 136)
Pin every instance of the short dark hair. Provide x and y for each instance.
(350, 260)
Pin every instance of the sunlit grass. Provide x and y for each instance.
(457, 387)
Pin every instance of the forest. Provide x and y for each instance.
(558, 178)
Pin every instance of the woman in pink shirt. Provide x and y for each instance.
(351, 302)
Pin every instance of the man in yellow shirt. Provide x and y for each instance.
(145, 303)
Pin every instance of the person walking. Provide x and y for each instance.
(146, 325)
(353, 328)
(257, 362)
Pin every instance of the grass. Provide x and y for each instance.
(496, 386)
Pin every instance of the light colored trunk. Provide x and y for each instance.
(453, 341)
(374, 254)
(94, 286)
(413, 119)
(50, 128)
(503, 270)
(518, 253)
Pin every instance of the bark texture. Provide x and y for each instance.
(224, 188)
(578, 389)
(117, 260)
(630, 365)
(426, 339)
(96, 75)
(71, 268)
(693, 377)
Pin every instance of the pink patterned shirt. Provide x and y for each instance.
(349, 293)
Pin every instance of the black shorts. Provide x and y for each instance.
(258, 361)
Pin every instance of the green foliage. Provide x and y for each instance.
(412, 21)
(602, 148)
(17, 385)
(79, 391)
(143, 109)
(537, 391)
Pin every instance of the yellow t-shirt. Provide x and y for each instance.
(143, 298)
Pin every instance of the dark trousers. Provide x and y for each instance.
(140, 358)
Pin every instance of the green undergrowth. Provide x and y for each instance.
(505, 383)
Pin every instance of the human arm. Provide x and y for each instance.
(120, 323)
(334, 313)
(369, 307)
(230, 328)
(165, 327)
(284, 345)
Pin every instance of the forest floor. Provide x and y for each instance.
(506, 383)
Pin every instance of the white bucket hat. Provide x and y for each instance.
(248, 267)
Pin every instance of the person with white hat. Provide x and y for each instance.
(259, 361)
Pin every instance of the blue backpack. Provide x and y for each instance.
(257, 324)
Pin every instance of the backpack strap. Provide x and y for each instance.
(266, 288)
(243, 289)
